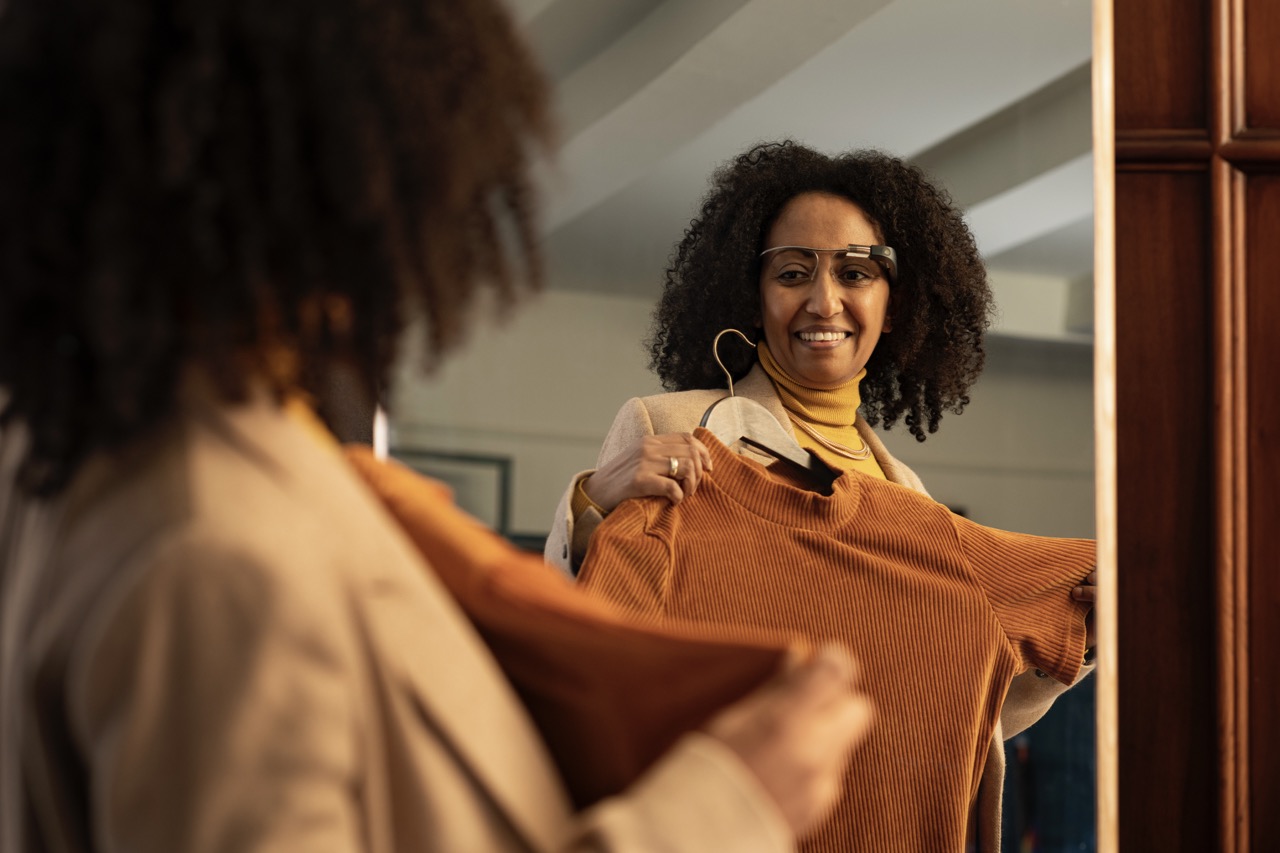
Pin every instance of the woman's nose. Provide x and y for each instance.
(824, 295)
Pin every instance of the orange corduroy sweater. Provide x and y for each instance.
(940, 612)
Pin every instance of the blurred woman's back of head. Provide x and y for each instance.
(208, 182)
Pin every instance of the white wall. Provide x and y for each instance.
(1021, 455)
(544, 387)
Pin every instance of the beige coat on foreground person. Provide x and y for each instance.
(221, 643)
(1030, 695)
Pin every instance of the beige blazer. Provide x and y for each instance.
(1029, 696)
(218, 641)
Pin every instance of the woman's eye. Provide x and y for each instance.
(858, 274)
(793, 276)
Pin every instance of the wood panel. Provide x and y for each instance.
(1261, 64)
(1161, 56)
(1262, 439)
(1165, 487)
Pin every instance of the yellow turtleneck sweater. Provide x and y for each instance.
(832, 413)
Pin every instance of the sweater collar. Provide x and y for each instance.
(775, 494)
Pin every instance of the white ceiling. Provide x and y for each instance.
(990, 96)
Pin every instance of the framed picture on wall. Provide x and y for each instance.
(481, 483)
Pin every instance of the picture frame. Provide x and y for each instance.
(481, 483)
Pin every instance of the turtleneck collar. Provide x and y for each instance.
(825, 409)
(832, 412)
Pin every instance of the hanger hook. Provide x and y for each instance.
(715, 351)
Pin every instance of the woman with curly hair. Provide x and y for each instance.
(215, 637)
(843, 340)
(864, 301)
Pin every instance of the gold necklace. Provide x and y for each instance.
(838, 449)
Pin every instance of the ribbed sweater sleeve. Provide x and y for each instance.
(1028, 580)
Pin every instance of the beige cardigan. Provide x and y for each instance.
(221, 642)
(1029, 696)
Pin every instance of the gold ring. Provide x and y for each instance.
(674, 470)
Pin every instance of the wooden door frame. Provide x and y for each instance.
(1104, 420)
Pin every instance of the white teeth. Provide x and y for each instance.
(822, 336)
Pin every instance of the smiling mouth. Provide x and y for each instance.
(822, 337)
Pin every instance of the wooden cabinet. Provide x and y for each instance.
(1197, 414)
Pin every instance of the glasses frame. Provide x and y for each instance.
(885, 256)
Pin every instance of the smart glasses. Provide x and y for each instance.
(869, 262)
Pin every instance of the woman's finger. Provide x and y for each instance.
(700, 460)
(1088, 589)
(685, 461)
(670, 465)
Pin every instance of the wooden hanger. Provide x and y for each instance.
(739, 419)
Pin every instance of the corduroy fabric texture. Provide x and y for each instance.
(940, 612)
(608, 694)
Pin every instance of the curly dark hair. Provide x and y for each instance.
(941, 303)
(208, 182)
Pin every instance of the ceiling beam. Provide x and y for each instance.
(682, 69)
(1037, 133)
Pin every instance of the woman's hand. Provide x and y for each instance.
(1087, 591)
(796, 732)
(648, 469)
